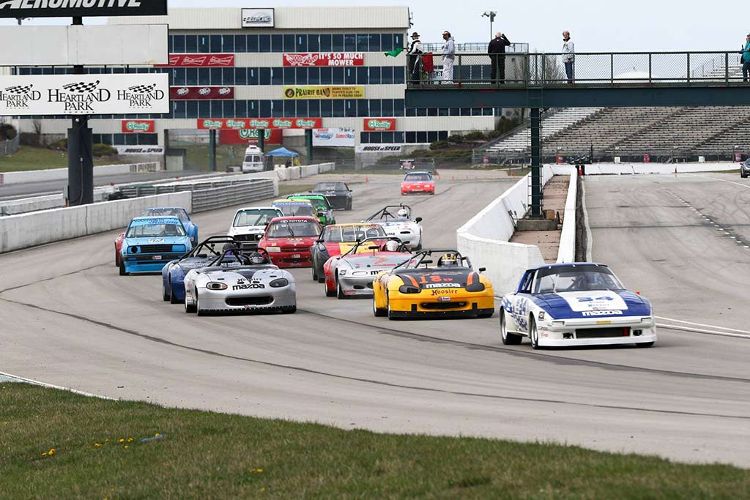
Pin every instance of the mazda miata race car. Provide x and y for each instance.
(433, 283)
(238, 281)
(340, 238)
(575, 304)
(352, 273)
(398, 223)
(173, 273)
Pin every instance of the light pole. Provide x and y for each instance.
(491, 14)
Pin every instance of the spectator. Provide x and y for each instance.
(568, 55)
(496, 51)
(449, 54)
(745, 59)
(415, 59)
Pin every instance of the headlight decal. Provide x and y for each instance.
(279, 283)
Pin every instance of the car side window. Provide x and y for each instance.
(526, 282)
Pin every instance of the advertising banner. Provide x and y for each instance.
(257, 18)
(334, 137)
(250, 136)
(140, 150)
(122, 94)
(379, 124)
(325, 59)
(379, 148)
(138, 126)
(195, 93)
(256, 123)
(324, 92)
(81, 8)
(199, 61)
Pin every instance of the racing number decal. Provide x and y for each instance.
(434, 278)
(380, 261)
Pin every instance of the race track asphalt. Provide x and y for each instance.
(68, 319)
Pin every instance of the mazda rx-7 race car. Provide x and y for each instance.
(173, 273)
(575, 304)
(352, 273)
(238, 281)
(398, 223)
(433, 283)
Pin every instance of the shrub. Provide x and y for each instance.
(7, 132)
(104, 150)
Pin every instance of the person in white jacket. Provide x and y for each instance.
(568, 55)
(449, 54)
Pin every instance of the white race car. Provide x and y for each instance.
(250, 223)
(398, 223)
(239, 281)
(575, 304)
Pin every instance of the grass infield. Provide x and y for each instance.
(57, 444)
(30, 158)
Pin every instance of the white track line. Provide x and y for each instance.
(52, 386)
(689, 326)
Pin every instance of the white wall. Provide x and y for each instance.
(654, 168)
(56, 174)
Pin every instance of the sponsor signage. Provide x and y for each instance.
(199, 61)
(379, 148)
(140, 150)
(131, 93)
(195, 93)
(325, 59)
(258, 123)
(334, 137)
(324, 92)
(250, 136)
(379, 124)
(257, 18)
(81, 8)
(138, 126)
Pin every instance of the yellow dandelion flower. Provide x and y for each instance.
(44, 453)
(130, 440)
(121, 440)
(52, 452)
(126, 447)
(97, 445)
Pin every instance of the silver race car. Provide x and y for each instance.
(240, 281)
(398, 223)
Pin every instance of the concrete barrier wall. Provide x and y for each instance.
(567, 250)
(654, 168)
(38, 228)
(56, 174)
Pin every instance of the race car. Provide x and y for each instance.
(352, 273)
(288, 240)
(418, 182)
(338, 194)
(250, 223)
(745, 168)
(323, 209)
(173, 273)
(398, 223)
(575, 304)
(299, 208)
(236, 281)
(338, 239)
(191, 228)
(150, 242)
(433, 283)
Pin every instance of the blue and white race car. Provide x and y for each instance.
(190, 227)
(575, 304)
(150, 242)
(173, 273)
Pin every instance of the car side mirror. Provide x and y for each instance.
(418, 219)
(482, 269)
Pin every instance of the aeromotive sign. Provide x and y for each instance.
(258, 123)
(199, 61)
(325, 59)
(324, 92)
(136, 93)
(138, 126)
(379, 124)
(76, 8)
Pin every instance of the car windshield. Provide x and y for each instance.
(293, 229)
(363, 260)
(252, 159)
(575, 279)
(417, 177)
(174, 212)
(255, 217)
(154, 229)
(350, 234)
(329, 186)
(441, 259)
(295, 209)
(318, 203)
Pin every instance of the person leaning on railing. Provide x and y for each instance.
(568, 55)
(745, 59)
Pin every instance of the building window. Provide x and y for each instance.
(375, 107)
(398, 75)
(326, 43)
(277, 108)
(288, 75)
(301, 75)
(362, 78)
(350, 76)
(398, 107)
(374, 42)
(217, 110)
(191, 43)
(253, 109)
(227, 43)
(302, 108)
(398, 40)
(387, 107)
(277, 76)
(313, 43)
(326, 75)
(363, 43)
(313, 75)
(289, 43)
(338, 76)
(375, 73)
(252, 76)
(191, 110)
(410, 137)
(253, 43)
(264, 43)
(264, 76)
(300, 43)
(178, 44)
(264, 108)
(421, 137)
(363, 107)
(216, 43)
(191, 76)
(386, 42)
(204, 109)
(240, 76)
(313, 110)
(240, 43)
(277, 43)
(387, 72)
(350, 42)
(337, 43)
(326, 109)
(204, 43)
(240, 109)
(228, 106)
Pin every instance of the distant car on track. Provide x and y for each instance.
(237, 281)
(288, 240)
(173, 273)
(295, 208)
(338, 194)
(190, 227)
(575, 304)
(323, 209)
(250, 223)
(339, 238)
(418, 182)
(398, 223)
(151, 242)
(745, 168)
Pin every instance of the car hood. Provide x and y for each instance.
(426, 279)
(302, 241)
(247, 230)
(165, 240)
(594, 303)
(379, 260)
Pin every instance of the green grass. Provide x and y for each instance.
(30, 158)
(98, 453)
(285, 188)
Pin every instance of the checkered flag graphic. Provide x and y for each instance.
(81, 87)
(19, 89)
(142, 89)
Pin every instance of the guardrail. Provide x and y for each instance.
(55, 174)
(236, 194)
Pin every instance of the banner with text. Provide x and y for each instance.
(121, 94)
(17, 9)
(197, 93)
(199, 61)
(250, 136)
(138, 126)
(379, 124)
(324, 92)
(325, 59)
(334, 137)
(258, 123)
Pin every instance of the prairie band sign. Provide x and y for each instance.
(324, 92)
(81, 8)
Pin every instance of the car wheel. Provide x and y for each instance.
(329, 293)
(314, 270)
(122, 269)
(376, 311)
(485, 315)
(508, 338)
(534, 334)
(189, 308)
(117, 258)
(165, 296)
(349, 206)
(339, 291)
(288, 310)
(198, 309)
(172, 297)
(644, 344)
(389, 312)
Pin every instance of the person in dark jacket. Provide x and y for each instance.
(414, 54)
(496, 51)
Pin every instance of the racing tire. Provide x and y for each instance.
(288, 309)
(122, 270)
(390, 314)
(485, 315)
(165, 295)
(339, 291)
(315, 271)
(744, 176)
(348, 206)
(376, 311)
(644, 344)
(172, 297)
(198, 310)
(188, 308)
(534, 335)
(508, 338)
(329, 293)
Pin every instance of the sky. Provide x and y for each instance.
(596, 26)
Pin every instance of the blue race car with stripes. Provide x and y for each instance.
(173, 273)
(575, 304)
(150, 242)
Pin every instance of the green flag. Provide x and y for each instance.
(394, 52)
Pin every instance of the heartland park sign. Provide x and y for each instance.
(135, 93)
(81, 8)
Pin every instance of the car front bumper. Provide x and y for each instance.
(357, 286)
(268, 299)
(291, 259)
(147, 263)
(468, 304)
(597, 332)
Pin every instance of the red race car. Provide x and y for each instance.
(288, 240)
(418, 182)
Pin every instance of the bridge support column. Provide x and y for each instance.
(536, 162)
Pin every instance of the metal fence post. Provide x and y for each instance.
(726, 67)
(611, 69)
(688, 67)
(650, 72)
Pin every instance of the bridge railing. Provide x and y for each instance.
(590, 69)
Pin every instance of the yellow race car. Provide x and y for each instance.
(433, 283)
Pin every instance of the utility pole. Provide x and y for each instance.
(491, 14)
(80, 154)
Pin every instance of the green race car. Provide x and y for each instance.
(323, 209)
